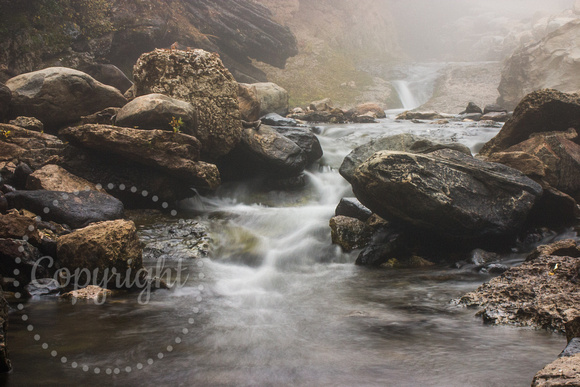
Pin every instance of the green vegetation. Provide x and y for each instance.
(176, 124)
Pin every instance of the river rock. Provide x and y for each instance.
(274, 119)
(351, 207)
(472, 108)
(537, 293)
(540, 111)
(411, 115)
(5, 98)
(55, 178)
(156, 111)
(21, 173)
(108, 74)
(305, 140)
(401, 142)
(100, 248)
(33, 148)
(75, 210)
(14, 225)
(323, 105)
(349, 233)
(29, 123)
(25, 259)
(386, 246)
(198, 77)
(562, 372)
(91, 292)
(446, 192)
(494, 108)
(104, 117)
(369, 107)
(273, 98)
(173, 153)
(249, 102)
(58, 96)
(5, 364)
(495, 116)
(335, 116)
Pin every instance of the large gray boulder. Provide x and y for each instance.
(446, 193)
(58, 96)
(400, 143)
(306, 140)
(156, 111)
(200, 78)
(273, 98)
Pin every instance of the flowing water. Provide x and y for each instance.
(277, 304)
(416, 83)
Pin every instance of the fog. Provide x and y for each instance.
(468, 30)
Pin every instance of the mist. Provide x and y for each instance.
(464, 30)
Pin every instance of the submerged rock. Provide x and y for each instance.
(446, 193)
(91, 292)
(58, 96)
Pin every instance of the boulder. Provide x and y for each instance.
(494, 108)
(540, 111)
(174, 153)
(158, 111)
(389, 245)
(323, 105)
(335, 116)
(401, 142)
(349, 233)
(538, 293)
(21, 173)
(5, 99)
(552, 62)
(495, 116)
(58, 96)
(446, 193)
(19, 256)
(33, 148)
(14, 225)
(108, 74)
(55, 178)
(562, 372)
(275, 119)
(368, 118)
(200, 78)
(249, 102)
(411, 115)
(29, 123)
(273, 98)
(352, 208)
(470, 117)
(99, 249)
(472, 108)
(5, 364)
(75, 210)
(305, 140)
(369, 107)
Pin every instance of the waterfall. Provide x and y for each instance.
(405, 95)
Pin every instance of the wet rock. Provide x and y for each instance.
(18, 256)
(495, 268)
(386, 247)
(369, 107)
(564, 371)
(174, 153)
(540, 111)
(573, 348)
(33, 148)
(305, 140)
(249, 103)
(104, 117)
(472, 108)
(368, 118)
(58, 96)
(174, 240)
(495, 116)
(108, 74)
(5, 364)
(446, 193)
(100, 248)
(91, 292)
(537, 293)
(75, 210)
(493, 108)
(157, 111)
(200, 78)
(29, 123)
(349, 233)
(55, 178)
(43, 287)
(402, 142)
(351, 207)
(470, 117)
(273, 98)
(410, 115)
(481, 257)
(335, 116)
(5, 99)
(274, 119)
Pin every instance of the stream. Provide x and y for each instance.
(277, 304)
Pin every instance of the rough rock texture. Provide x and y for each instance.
(351, 207)
(420, 115)
(174, 153)
(157, 111)
(29, 123)
(401, 143)
(563, 372)
(305, 140)
(552, 62)
(55, 178)
(446, 192)
(101, 246)
(58, 96)
(349, 233)
(22, 256)
(249, 102)
(75, 210)
(33, 148)
(540, 111)
(200, 78)
(5, 364)
(540, 293)
(14, 225)
(5, 98)
(370, 107)
(91, 292)
(274, 119)
(273, 98)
